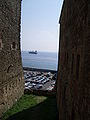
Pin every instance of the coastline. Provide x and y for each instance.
(40, 70)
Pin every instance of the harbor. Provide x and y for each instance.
(37, 79)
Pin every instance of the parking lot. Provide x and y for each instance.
(39, 80)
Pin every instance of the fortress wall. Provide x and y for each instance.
(11, 74)
(73, 84)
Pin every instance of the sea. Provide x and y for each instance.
(41, 60)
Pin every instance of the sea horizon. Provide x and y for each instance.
(42, 60)
(40, 51)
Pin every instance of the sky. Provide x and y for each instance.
(40, 25)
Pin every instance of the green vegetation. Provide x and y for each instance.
(32, 107)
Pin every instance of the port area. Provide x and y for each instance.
(39, 79)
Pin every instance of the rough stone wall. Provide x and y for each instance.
(73, 84)
(11, 75)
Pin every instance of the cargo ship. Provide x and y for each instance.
(33, 52)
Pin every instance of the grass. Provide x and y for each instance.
(32, 107)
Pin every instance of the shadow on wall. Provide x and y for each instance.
(46, 110)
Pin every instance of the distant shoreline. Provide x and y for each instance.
(40, 70)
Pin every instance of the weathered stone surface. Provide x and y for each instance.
(73, 84)
(11, 75)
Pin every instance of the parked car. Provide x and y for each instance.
(33, 84)
(29, 87)
(47, 80)
(27, 80)
(27, 84)
(43, 82)
(38, 86)
(53, 83)
(50, 88)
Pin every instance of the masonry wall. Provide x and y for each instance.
(11, 75)
(73, 84)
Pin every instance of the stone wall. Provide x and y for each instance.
(11, 74)
(73, 84)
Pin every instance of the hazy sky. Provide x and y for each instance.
(40, 27)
